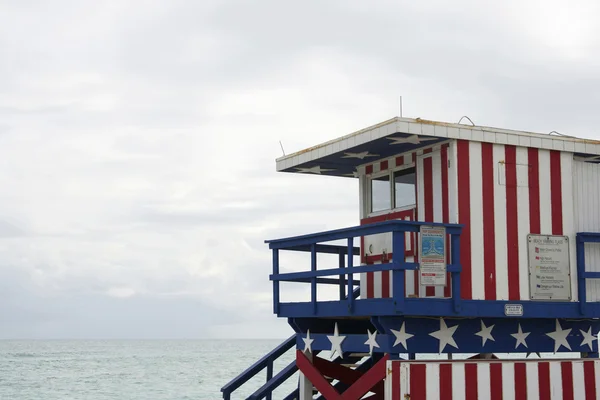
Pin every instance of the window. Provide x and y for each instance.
(404, 187)
(381, 195)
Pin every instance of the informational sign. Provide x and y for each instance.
(432, 256)
(549, 267)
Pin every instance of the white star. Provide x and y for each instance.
(412, 139)
(308, 342)
(401, 336)
(372, 341)
(336, 342)
(560, 337)
(520, 336)
(588, 337)
(352, 175)
(360, 155)
(486, 333)
(444, 335)
(313, 170)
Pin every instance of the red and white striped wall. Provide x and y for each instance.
(503, 193)
(500, 193)
(493, 380)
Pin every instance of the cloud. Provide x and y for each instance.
(138, 139)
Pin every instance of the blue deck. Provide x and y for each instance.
(398, 304)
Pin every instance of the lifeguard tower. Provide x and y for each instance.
(477, 249)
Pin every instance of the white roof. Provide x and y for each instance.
(407, 128)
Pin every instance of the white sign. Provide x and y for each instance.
(549, 267)
(513, 310)
(432, 256)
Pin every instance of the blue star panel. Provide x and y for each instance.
(476, 335)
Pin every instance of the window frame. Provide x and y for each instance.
(390, 173)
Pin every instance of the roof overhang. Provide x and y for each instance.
(342, 156)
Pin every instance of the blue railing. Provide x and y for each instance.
(266, 362)
(582, 274)
(345, 272)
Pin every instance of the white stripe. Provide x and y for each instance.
(578, 380)
(508, 381)
(452, 184)
(420, 207)
(410, 279)
(568, 215)
(432, 376)
(555, 381)
(436, 169)
(458, 380)
(476, 177)
(523, 219)
(500, 226)
(532, 376)
(483, 381)
(404, 379)
(377, 283)
(363, 285)
(545, 207)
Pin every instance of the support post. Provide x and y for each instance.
(455, 240)
(350, 264)
(342, 264)
(398, 274)
(581, 289)
(305, 385)
(269, 377)
(275, 282)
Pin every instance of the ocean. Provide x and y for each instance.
(131, 369)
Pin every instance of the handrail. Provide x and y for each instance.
(264, 362)
(398, 264)
(581, 239)
(357, 231)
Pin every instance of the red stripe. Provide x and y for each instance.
(544, 380)
(464, 217)
(445, 382)
(512, 227)
(385, 283)
(496, 381)
(383, 165)
(418, 382)
(534, 190)
(520, 382)
(369, 169)
(471, 381)
(428, 200)
(399, 161)
(589, 376)
(567, 379)
(489, 238)
(396, 380)
(556, 193)
(446, 212)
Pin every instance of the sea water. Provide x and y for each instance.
(130, 369)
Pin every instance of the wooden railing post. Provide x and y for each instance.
(313, 281)
(581, 289)
(275, 282)
(349, 265)
(398, 274)
(455, 243)
(342, 264)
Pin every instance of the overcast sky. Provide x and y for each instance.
(138, 139)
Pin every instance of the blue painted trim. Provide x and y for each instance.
(581, 239)
(258, 366)
(350, 268)
(266, 390)
(399, 262)
(295, 276)
(276, 283)
(313, 282)
(356, 231)
(438, 307)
